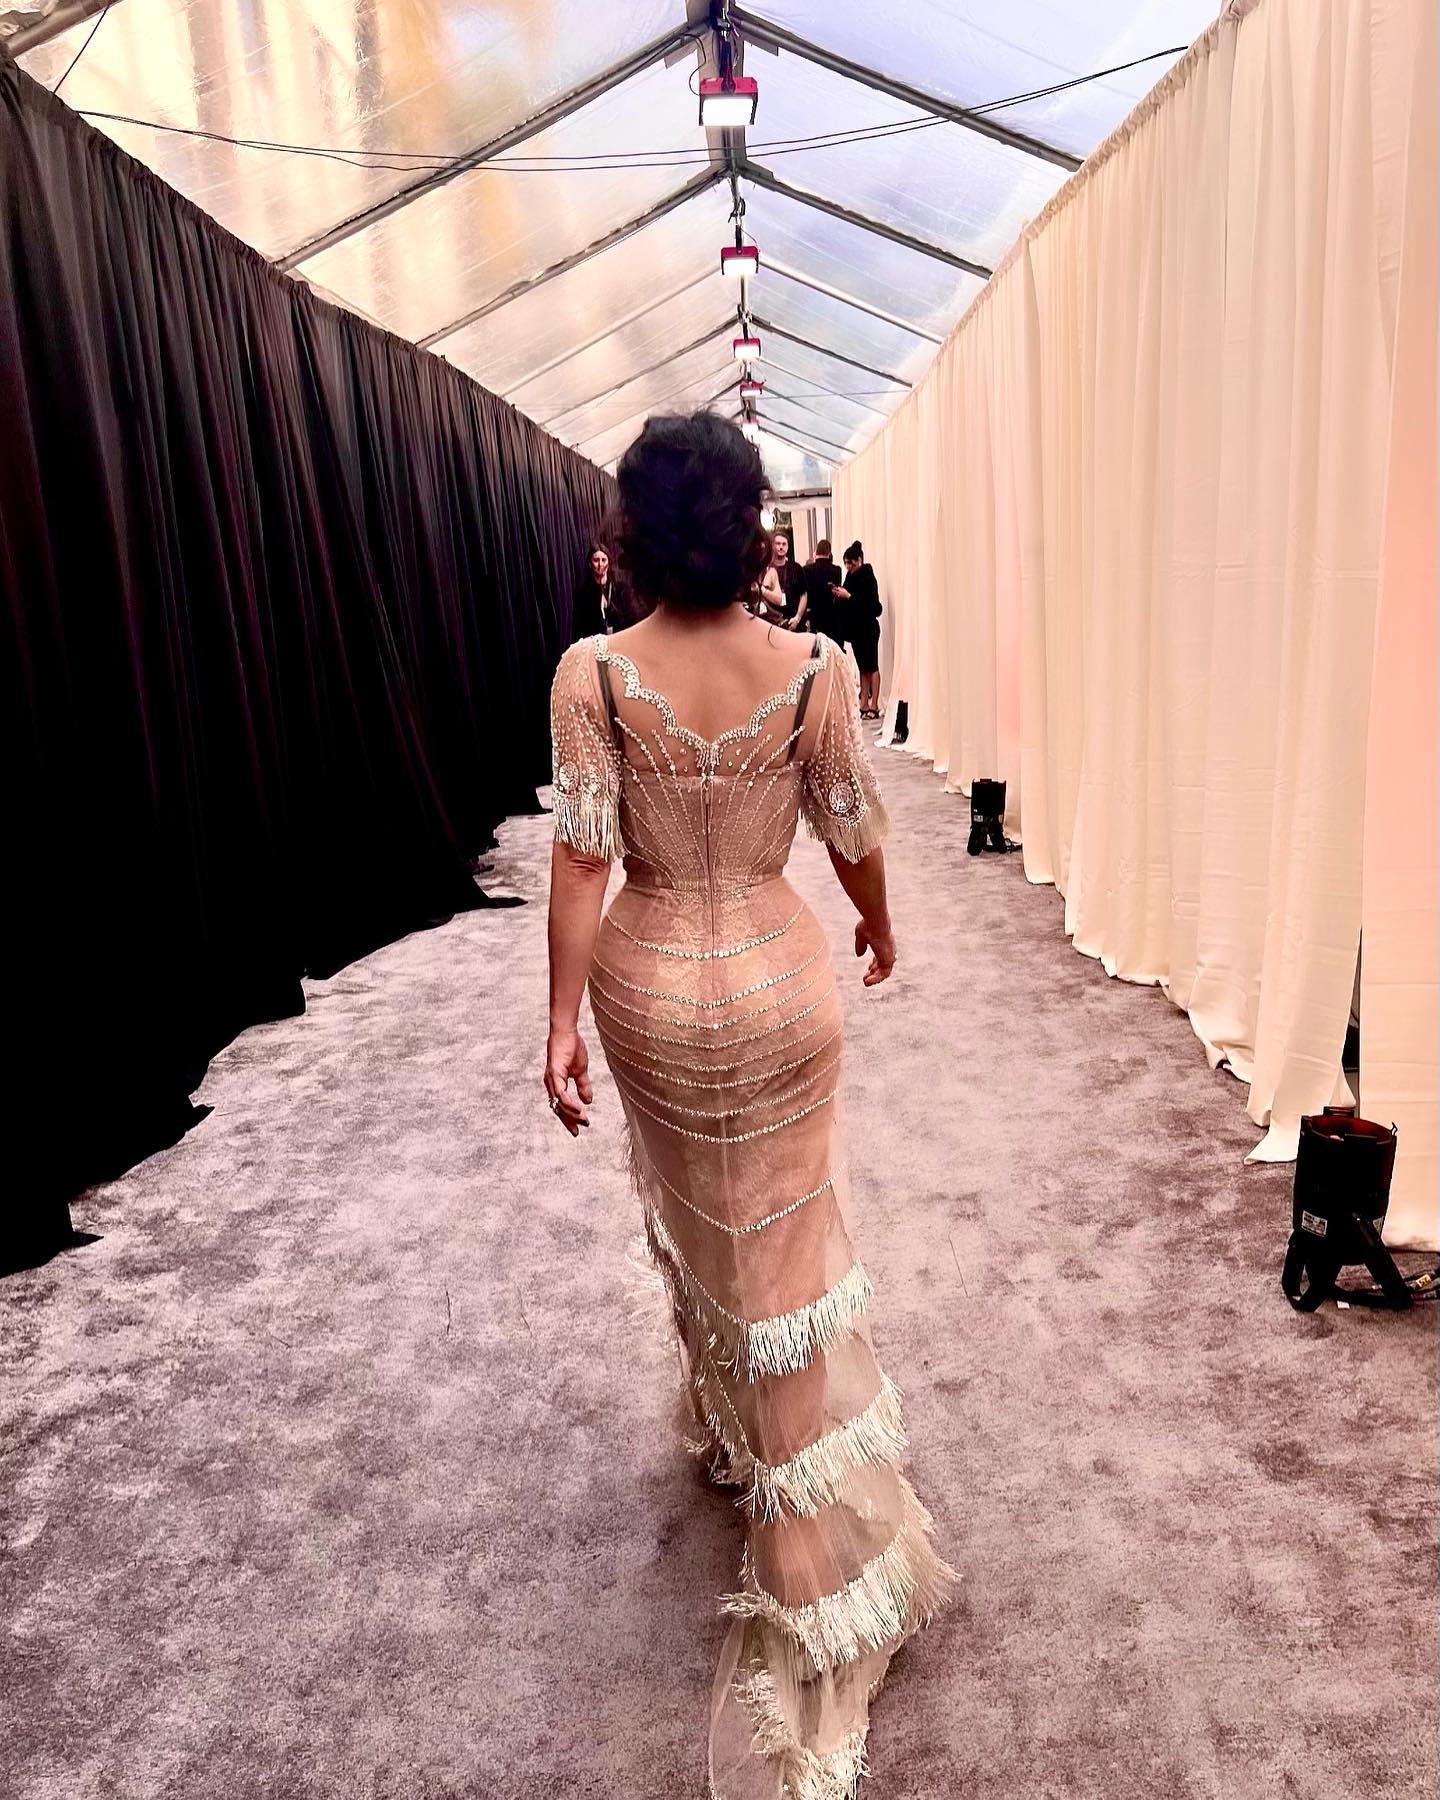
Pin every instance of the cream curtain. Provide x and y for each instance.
(1129, 532)
(1399, 1025)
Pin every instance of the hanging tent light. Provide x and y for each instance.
(750, 388)
(750, 431)
(728, 100)
(746, 349)
(740, 261)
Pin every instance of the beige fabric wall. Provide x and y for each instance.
(1129, 534)
(1399, 1021)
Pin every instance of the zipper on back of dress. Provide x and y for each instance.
(706, 778)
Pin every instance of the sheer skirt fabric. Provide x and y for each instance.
(715, 1003)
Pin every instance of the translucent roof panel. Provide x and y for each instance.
(497, 268)
(973, 52)
(607, 446)
(439, 79)
(833, 325)
(944, 184)
(709, 366)
(656, 337)
(797, 239)
(799, 372)
(788, 468)
(533, 332)
(847, 419)
(425, 267)
(799, 422)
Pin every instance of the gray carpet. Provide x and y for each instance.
(344, 1464)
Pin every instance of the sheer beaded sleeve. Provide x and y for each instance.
(587, 761)
(841, 801)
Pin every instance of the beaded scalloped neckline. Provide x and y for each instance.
(710, 748)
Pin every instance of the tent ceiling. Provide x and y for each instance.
(588, 293)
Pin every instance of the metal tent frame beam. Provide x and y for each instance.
(641, 411)
(775, 37)
(811, 423)
(763, 178)
(775, 368)
(698, 184)
(823, 456)
(705, 337)
(832, 452)
(833, 293)
(558, 109)
(805, 343)
(806, 402)
(631, 318)
(68, 13)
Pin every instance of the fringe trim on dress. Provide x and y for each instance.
(896, 1593)
(783, 1344)
(805, 1774)
(587, 818)
(815, 1476)
(854, 837)
(722, 1445)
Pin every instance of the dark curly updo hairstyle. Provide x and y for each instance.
(691, 487)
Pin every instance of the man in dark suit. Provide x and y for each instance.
(818, 609)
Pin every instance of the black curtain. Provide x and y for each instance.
(282, 596)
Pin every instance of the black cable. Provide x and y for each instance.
(83, 48)
(414, 162)
(599, 162)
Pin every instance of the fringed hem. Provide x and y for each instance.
(814, 1477)
(805, 1774)
(852, 838)
(783, 1344)
(896, 1593)
(727, 1457)
(588, 819)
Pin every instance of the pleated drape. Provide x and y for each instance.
(1154, 458)
(1399, 1018)
(282, 597)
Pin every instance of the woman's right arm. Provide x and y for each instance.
(841, 805)
(864, 882)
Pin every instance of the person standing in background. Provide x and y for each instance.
(788, 575)
(597, 599)
(862, 626)
(818, 581)
(767, 596)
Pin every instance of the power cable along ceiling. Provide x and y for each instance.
(526, 188)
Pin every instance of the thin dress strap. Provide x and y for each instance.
(804, 700)
(602, 663)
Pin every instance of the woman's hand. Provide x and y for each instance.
(567, 1059)
(881, 945)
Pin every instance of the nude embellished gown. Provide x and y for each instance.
(716, 1006)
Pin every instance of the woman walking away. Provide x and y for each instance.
(691, 745)
(863, 627)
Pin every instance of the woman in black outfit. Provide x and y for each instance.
(863, 626)
(597, 599)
